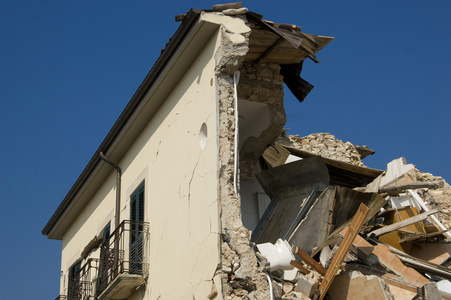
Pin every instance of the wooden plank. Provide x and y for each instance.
(270, 50)
(394, 238)
(299, 267)
(343, 249)
(421, 203)
(339, 164)
(332, 208)
(276, 155)
(412, 185)
(407, 177)
(221, 7)
(310, 261)
(375, 204)
(403, 223)
(416, 236)
(373, 187)
(424, 266)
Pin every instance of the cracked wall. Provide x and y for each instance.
(180, 146)
(239, 273)
(176, 155)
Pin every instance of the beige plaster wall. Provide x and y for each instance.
(183, 186)
(179, 166)
(87, 226)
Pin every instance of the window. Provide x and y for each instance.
(106, 232)
(74, 288)
(136, 232)
(105, 254)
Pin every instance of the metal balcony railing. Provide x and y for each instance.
(61, 297)
(81, 285)
(123, 252)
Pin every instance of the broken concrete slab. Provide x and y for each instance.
(394, 264)
(431, 291)
(355, 285)
(282, 181)
(289, 186)
(307, 284)
(314, 228)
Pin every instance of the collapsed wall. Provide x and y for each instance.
(261, 83)
(250, 82)
(239, 273)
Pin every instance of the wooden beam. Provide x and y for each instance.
(299, 267)
(180, 18)
(414, 236)
(424, 266)
(412, 185)
(343, 249)
(339, 164)
(276, 155)
(403, 223)
(221, 7)
(310, 261)
(421, 203)
(270, 50)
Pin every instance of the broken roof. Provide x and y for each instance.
(269, 42)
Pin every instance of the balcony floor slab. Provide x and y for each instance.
(122, 287)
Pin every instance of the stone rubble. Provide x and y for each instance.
(326, 145)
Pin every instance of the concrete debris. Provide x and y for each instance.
(399, 250)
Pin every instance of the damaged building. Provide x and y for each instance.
(232, 208)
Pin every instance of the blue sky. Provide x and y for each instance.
(68, 68)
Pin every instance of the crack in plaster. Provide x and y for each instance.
(189, 192)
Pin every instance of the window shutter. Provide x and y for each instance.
(136, 238)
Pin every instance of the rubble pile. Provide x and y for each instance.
(326, 145)
(437, 197)
(331, 232)
(440, 198)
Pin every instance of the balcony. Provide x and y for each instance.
(82, 285)
(123, 264)
(61, 297)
